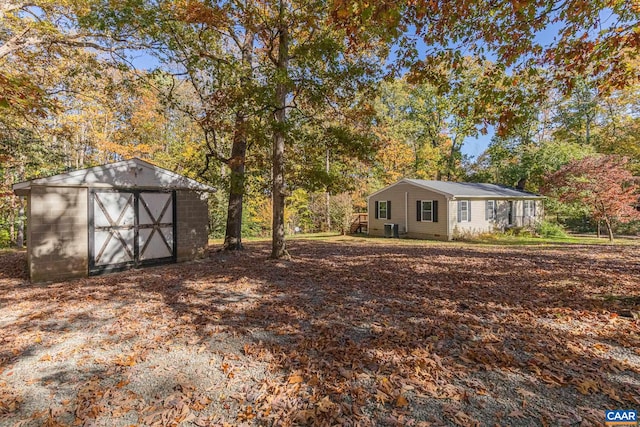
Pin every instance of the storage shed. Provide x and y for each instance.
(112, 217)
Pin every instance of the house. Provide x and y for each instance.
(445, 210)
(112, 217)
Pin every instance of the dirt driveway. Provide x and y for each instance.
(357, 332)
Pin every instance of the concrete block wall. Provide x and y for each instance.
(57, 233)
(192, 224)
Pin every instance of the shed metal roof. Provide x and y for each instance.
(467, 189)
(132, 173)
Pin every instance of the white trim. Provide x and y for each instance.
(467, 204)
(532, 208)
(459, 197)
(494, 209)
(386, 209)
(406, 211)
(450, 224)
(422, 211)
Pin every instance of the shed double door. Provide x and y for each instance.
(130, 229)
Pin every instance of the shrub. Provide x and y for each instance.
(5, 238)
(550, 229)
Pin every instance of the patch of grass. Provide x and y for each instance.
(317, 236)
(497, 239)
(11, 250)
(525, 240)
(300, 236)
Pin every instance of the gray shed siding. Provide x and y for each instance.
(57, 233)
(192, 224)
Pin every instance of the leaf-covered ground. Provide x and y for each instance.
(358, 332)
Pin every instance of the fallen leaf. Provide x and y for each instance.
(401, 401)
(295, 379)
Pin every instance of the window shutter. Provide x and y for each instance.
(534, 207)
(469, 210)
(486, 210)
(459, 211)
(376, 209)
(434, 211)
(388, 209)
(419, 210)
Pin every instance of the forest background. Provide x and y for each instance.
(313, 105)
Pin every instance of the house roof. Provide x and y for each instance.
(132, 173)
(467, 189)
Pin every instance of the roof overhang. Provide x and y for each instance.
(452, 196)
(127, 174)
(523, 197)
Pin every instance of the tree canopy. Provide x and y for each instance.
(602, 184)
(286, 99)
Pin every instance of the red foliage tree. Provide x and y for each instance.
(602, 183)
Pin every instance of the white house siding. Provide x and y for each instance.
(479, 224)
(527, 221)
(408, 224)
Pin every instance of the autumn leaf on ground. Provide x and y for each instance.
(401, 402)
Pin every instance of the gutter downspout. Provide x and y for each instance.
(449, 226)
(406, 212)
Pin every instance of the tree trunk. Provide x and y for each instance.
(20, 236)
(607, 223)
(278, 249)
(327, 194)
(451, 160)
(12, 220)
(233, 232)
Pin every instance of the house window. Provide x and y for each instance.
(529, 208)
(383, 208)
(491, 210)
(464, 210)
(427, 210)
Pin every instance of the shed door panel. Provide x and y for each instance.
(130, 228)
(114, 224)
(110, 249)
(155, 233)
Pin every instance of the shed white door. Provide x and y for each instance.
(155, 225)
(130, 228)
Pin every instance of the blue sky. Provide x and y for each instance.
(475, 146)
